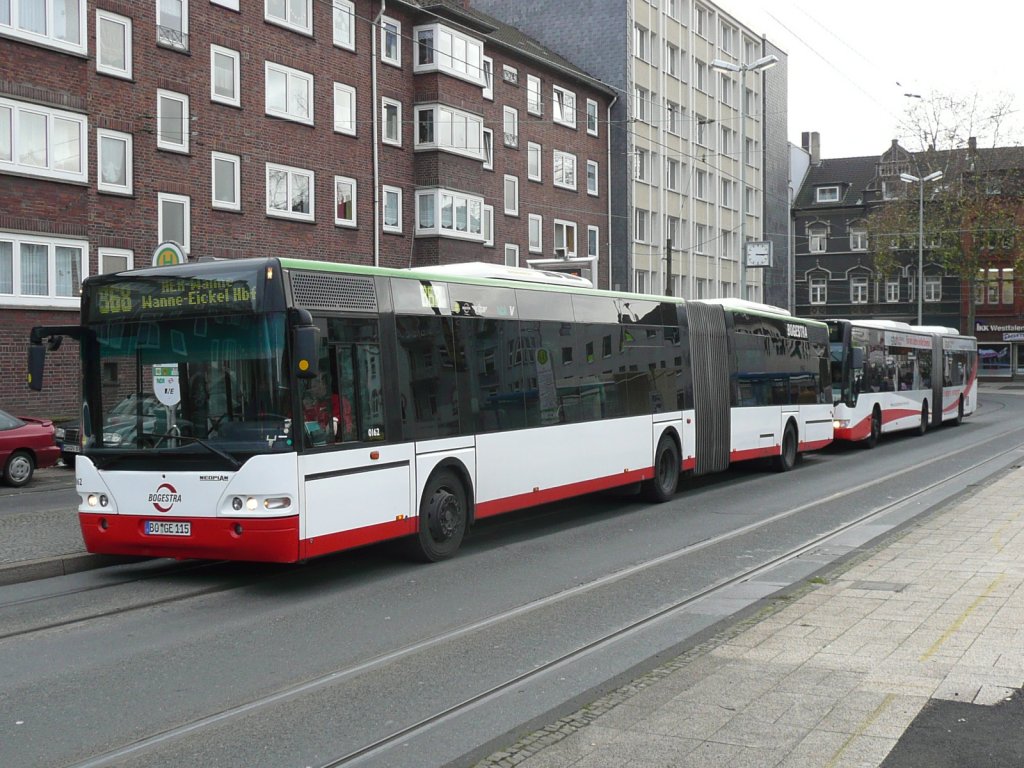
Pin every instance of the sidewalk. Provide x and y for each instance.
(930, 623)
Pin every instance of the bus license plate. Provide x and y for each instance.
(168, 528)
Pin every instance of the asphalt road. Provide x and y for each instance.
(157, 664)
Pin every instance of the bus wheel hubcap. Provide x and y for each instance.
(444, 515)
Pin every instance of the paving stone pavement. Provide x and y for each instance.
(833, 676)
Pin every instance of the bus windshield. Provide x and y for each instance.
(215, 385)
(840, 386)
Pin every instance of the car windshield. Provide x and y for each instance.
(188, 384)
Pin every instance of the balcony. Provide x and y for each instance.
(171, 37)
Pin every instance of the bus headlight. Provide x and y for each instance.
(279, 502)
(237, 503)
(840, 423)
(92, 500)
(251, 504)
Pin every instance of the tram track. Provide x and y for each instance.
(404, 733)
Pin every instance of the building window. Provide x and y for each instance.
(827, 195)
(488, 71)
(294, 14)
(640, 111)
(817, 239)
(344, 109)
(533, 161)
(488, 136)
(45, 142)
(728, 194)
(450, 214)
(113, 161)
(640, 280)
(726, 147)
(115, 260)
(289, 93)
(224, 76)
(290, 192)
(858, 290)
(564, 169)
(673, 113)
(858, 239)
(892, 291)
(533, 104)
(640, 172)
(592, 117)
(172, 119)
(510, 74)
(563, 106)
(640, 225)
(511, 125)
(172, 23)
(671, 174)
(933, 288)
(226, 171)
(511, 195)
(593, 242)
(701, 76)
(391, 116)
(54, 24)
(344, 201)
(592, 178)
(641, 43)
(703, 131)
(535, 238)
(818, 290)
(37, 270)
(174, 222)
(449, 129)
(565, 239)
(392, 209)
(726, 90)
(345, 24)
(701, 178)
(390, 41)
(113, 43)
(511, 255)
(489, 226)
(728, 41)
(442, 49)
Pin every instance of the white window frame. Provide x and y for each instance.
(592, 118)
(47, 39)
(534, 100)
(639, 225)
(385, 102)
(702, 182)
(236, 59)
(236, 170)
(562, 226)
(817, 291)
(858, 238)
(161, 141)
(828, 194)
(932, 288)
(640, 170)
(487, 136)
(126, 26)
(672, 174)
(562, 177)
(512, 210)
(50, 298)
(487, 65)
(859, 290)
(46, 171)
(641, 102)
(119, 253)
(535, 233)
(290, 76)
(593, 242)
(510, 118)
(344, 7)
(594, 190)
(450, 52)
(284, 22)
(181, 44)
(347, 125)
(292, 172)
(562, 111)
(396, 193)
(513, 250)
(126, 139)
(186, 202)
(817, 239)
(352, 222)
(534, 161)
(488, 226)
(459, 201)
(443, 115)
(892, 291)
(396, 59)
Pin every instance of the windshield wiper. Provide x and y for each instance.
(235, 463)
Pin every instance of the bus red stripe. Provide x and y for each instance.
(546, 495)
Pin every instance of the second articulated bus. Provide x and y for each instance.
(889, 376)
(278, 409)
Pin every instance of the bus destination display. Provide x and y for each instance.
(157, 296)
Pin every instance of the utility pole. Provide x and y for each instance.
(668, 268)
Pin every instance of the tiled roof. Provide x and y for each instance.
(851, 174)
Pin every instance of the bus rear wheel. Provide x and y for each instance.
(662, 486)
(959, 413)
(444, 514)
(876, 430)
(923, 427)
(786, 460)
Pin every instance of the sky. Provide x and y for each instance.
(850, 64)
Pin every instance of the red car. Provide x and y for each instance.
(25, 444)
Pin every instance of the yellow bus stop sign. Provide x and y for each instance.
(168, 254)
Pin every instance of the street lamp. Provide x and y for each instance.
(935, 176)
(755, 66)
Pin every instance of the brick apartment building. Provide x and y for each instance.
(397, 133)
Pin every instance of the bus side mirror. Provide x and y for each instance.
(304, 351)
(36, 363)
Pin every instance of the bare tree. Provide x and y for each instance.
(943, 121)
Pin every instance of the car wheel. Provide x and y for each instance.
(19, 468)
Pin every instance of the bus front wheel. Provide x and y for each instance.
(876, 430)
(786, 460)
(662, 486)
(923, 426)
(959, 413)
(444, 514)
